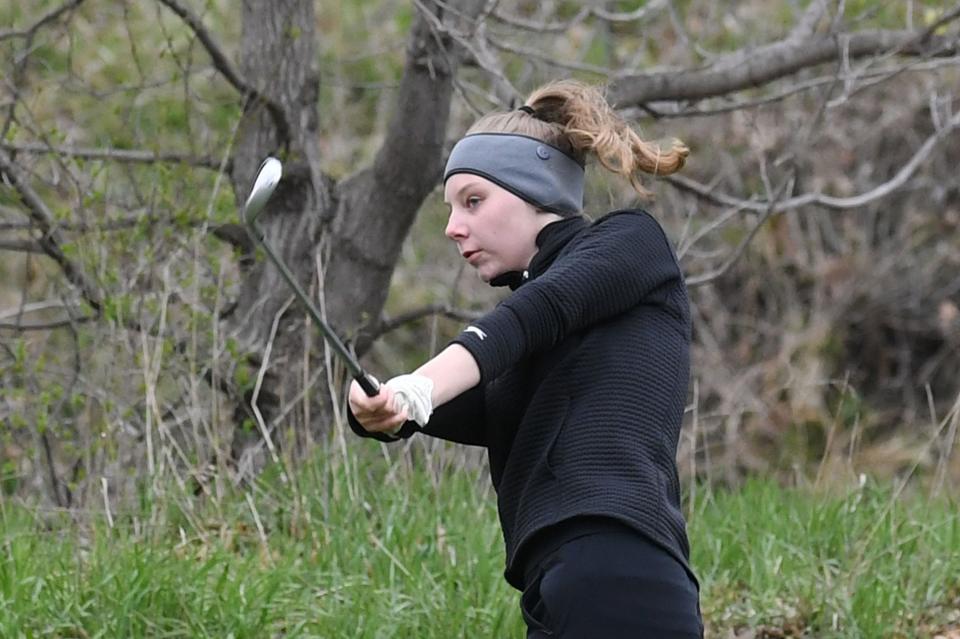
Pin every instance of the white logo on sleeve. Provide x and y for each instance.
(474, 329)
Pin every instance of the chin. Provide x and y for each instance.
(486, 275)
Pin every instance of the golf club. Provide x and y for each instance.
(268, 176)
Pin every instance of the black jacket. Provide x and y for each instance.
(583, 379)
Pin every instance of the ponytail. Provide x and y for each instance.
(577, 118)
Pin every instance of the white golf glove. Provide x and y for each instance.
(413, 392)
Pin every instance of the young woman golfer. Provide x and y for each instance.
(576, 382)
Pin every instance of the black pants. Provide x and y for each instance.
(609, 585)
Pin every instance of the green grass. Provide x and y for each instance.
(396, 551)
(866, 563)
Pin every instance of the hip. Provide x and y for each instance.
(610, 583)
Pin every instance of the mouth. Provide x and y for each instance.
(469, 255)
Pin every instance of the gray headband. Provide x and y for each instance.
(533, 170)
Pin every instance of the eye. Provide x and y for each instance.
(473, 201)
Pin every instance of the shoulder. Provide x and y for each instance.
(628, 218)
(628, 226)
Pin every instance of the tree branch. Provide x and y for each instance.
(547, 58)
(34, 307)
(765, 64)
(388, 324)
(21, 246)
(119, 155)
(818, 199)
(807, 24)
(31, 307)
(46, 19)
(560, 27)
(46, 326)
(51, 241)
(879, 75)
(699, 280)
(410, 156)
(222, 64)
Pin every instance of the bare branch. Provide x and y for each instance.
(475, 46)
(818, 199)
(83, 227)
(699, 280)
(51, 240)
(560, 27)
(637, 14)
(31, 307)
(765, 64)
(220, 60)
(21, 246)
(387, 325)
(119, 155)
(807, 24)
(51, 16)
(542, 27)
(46, 326)
(74, 316)
(943, 20)
(222, 63)
(422, 111)
(546, 58)
(878, 75)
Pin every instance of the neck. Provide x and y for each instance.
(543, 220)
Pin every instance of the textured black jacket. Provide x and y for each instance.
(583, 379)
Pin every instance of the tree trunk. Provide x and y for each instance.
(353, 230)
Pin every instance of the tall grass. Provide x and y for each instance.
(868, 562)
(379, 548)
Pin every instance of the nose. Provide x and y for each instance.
(456, 230)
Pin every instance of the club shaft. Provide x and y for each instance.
(370, 385)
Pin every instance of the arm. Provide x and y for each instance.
(620, 262)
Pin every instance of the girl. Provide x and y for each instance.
(576, 382)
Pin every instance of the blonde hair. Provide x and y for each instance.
(576, 118)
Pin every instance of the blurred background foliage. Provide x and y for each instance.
(828, 348)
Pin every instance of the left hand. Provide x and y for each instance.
(413, 395)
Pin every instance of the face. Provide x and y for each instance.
(494, 229)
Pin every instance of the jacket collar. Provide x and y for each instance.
(550, 241)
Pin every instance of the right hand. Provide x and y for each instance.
(377, 414)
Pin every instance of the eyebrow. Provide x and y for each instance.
(461, 190)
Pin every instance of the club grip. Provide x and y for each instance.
(368, 383)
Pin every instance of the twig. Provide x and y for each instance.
(106, 500)
(261, 424)
(754, 68)
(386, 325)
(637, 14)
(46, 326)
(818, 199)
(51, 240)
(119, 155)
(546, 58)
(738, 252)
(542, 27)
(882, 75)
(601, 13)
(259, 524)
(31, 307)
(22, 246)
(225, 67)
(46, 19)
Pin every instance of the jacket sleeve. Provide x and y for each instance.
(622, 261)
(460, 420)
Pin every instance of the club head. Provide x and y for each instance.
(267, 179)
